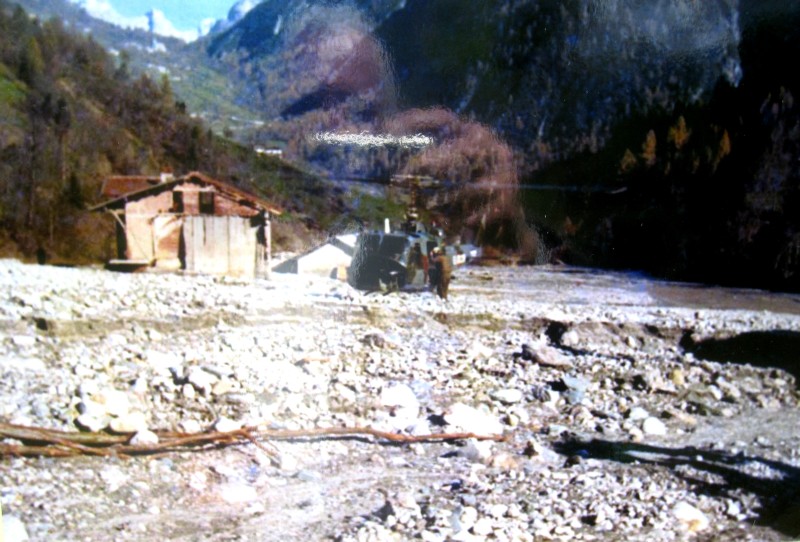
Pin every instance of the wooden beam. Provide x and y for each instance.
(115, 214)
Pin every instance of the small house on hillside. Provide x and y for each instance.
(193, 222)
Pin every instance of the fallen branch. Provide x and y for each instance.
(40, 442)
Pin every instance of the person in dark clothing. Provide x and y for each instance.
(414, 263)
(425, 262)
(432, 276)
(443, 270)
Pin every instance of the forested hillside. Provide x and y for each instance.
(704, 189)
(665, 132)
(661, 136)
(207, 92)
(70, 115)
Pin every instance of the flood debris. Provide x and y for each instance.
(42, 442)
(204, 365)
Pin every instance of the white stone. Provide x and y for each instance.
(237, 493)
(291, 378)
(224, 425)
(419, 427)
(200, 379)
(483, 527)
(469, 515)
(734, 509)
(478, 450)
(638, 413)
(228, 472)
(140, 386)
(498, 510)
(288, 463)
(238, 343)
(472, 420)
(187, 390)
(24, 341)
(144, 438)
(478, 350)
(405, 499)
(88, 388)
(654, 426)
(198, 481)
(429, 536)
(13, 529)
(129, 423)
(115, 402)
(398, 419)
(508, 396)
(162, 360)
(521, 413)
(116, 339)
(191, 426)
(399, 396)
(92, 423)
(570, 338)
(550, 357)
(222, 387)
(693, 519)
(402, 405)
(114, 478)
(635, 434)
(23, 364)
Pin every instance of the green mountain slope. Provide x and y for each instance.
(72, 114)
(660, 135)
(206, 91)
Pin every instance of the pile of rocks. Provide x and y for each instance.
(614, 427)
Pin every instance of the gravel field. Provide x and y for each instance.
(632, 409)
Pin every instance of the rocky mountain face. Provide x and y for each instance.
(666, 133)
(237, 12)
(682, 109)
(563, 74)
(555, 73)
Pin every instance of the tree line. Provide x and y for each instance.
(71, 114)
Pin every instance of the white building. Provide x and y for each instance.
(328, 260)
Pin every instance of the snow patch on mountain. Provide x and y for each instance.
(240, 9)
(237, 12)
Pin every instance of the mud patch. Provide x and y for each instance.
(588, 337)
(97, 327)
(778, 349)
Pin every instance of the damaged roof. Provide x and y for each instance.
(125, 188)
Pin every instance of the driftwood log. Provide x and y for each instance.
(41, 442)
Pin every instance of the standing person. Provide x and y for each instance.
(425, 262)
(433, 277)
(441, 264)
(414, 263)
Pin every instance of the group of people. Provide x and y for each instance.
(436, 268)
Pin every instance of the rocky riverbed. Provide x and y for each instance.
(632, 409)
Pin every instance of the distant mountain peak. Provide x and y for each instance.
(154, 20)
(237, 12)
(240, 9)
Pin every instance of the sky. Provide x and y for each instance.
(177, 18)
